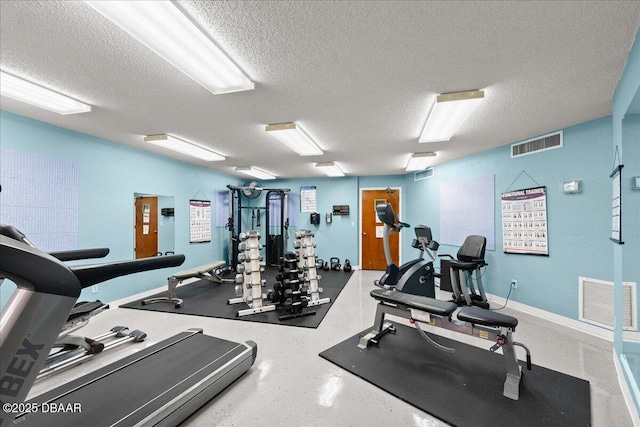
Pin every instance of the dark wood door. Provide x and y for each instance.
(371, 241)
(146, 227)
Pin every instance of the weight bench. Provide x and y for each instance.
(474, 321)
(211, 272)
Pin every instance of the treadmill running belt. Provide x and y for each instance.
(132, 389)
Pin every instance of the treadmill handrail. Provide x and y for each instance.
(78, 254)
(32, 269)
(96, 273)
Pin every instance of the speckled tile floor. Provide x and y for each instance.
(290, 385)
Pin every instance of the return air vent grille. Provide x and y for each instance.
(596, 303)
(543, 143)
(420, 175)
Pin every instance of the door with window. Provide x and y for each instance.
(372, 247)
(146, 226)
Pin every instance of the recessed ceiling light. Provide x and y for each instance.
(330, 169)
(184, 147)
(36, 95)
(255, 172)
(295, 138)
(419, 161)
(164, 29)
(448, 114)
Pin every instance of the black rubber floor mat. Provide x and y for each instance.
(463, 388)
(204, 298)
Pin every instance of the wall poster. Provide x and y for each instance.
(199, 221)
(308, 198)
(524, 221)
(616, 205)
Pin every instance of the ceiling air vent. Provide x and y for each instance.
(542, 143)
(424, 174)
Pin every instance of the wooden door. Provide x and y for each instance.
(372, 247)
(146, 227)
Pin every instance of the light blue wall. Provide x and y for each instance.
(631, 200)
(166, 225)
(626, 140)
(340, 237)
(109, 176)
(578, 224)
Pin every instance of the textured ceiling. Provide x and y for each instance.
(358, 76)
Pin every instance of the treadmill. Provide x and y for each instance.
(160, 385)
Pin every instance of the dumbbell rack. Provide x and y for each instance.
(289, 293)
(307, 264)
(249, 277)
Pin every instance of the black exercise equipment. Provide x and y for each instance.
(277, 234)
(70, 350)
(475, 321)
(46, 293)
(347, 266)
(211, 272)
(289, 293)
(469, 260)
(335, 264)
(414, 277)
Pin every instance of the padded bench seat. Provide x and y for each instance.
(430, 305)
(198, 271)
(482, 316)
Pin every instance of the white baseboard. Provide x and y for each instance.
(626, 391)
(555, 318)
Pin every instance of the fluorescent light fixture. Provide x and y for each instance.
(184, 147)
(294, 137)
(164, 29)
(330, 169)
(33, 94)
(448, 114)
(419, 161)
(255, 172)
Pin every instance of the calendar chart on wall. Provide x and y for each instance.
(524, 221)
(199, 221)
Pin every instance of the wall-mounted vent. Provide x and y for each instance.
(420, 175)
(535, 145)
(596, 303)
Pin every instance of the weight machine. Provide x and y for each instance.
(276, 243)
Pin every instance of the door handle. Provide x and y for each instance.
(364, 233)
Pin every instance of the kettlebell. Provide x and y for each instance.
(325, 266)
(335, 264)
(347, 266)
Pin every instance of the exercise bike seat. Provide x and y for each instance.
(465, 265)
(482, 316)
(429, 305)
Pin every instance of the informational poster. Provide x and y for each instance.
(199, 221)
(308, 199)
(616, 205)
(524, 221)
